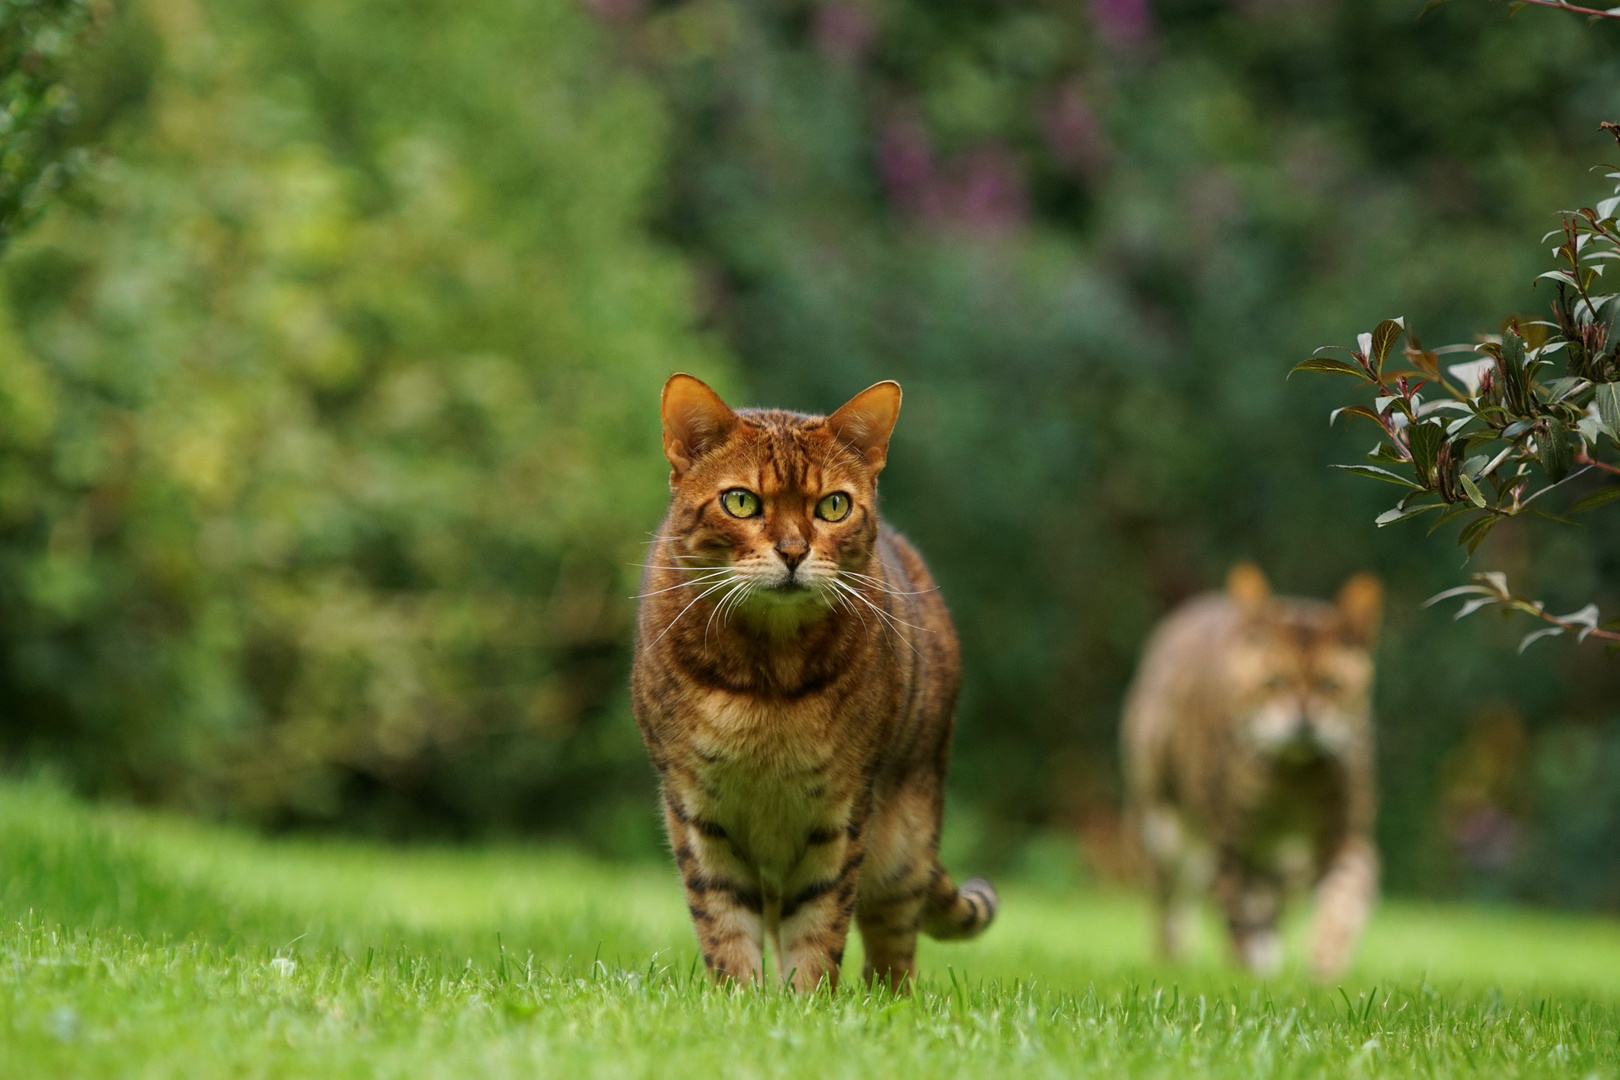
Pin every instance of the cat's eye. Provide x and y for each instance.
(834, 507)
(740, 503)
(1327, 684)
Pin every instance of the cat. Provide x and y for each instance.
(795, 683)
(1248, 746)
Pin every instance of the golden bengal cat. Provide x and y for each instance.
(795, 683)
(1248, 748)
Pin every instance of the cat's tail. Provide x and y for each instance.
(953, 913)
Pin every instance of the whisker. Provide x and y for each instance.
(884, 586)
(678, 557)
(852, 597)
(684, 610)
(702, 579)
(880, 611)
(843, 602)
(733, 601)
(737, 585)
(741, 599)
(892, 625)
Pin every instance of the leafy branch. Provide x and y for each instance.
(1514, 6)
(1485, 439)
(1491, 587)
(1564, 5)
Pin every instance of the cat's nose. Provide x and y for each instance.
(793, 550)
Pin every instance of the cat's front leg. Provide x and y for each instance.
(1253, 902)
(817, 906)
(1180, 867)
(1343, 900)
(722, 893)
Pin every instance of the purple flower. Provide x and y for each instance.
(1123, 24)
(1074, 136)
(906, 163)
(981, 190)
(989, 191)
(842, 33)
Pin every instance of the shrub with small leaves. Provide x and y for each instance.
(1486, 439)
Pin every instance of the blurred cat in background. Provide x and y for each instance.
(1248, 745)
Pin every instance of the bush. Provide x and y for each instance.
(326, 447)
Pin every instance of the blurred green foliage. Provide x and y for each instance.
(326, 447)
(39, 111)
(328, 431)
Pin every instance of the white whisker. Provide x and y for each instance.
(883, 586)
(851, 595)
(737, 585)
(891, 624)
(697, 579)
(843, 602)
(886, 614)
(684, 610)
(741, 598)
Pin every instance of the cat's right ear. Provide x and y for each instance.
(865, 422)
(695, 421)
(1361, 608)
(1246, 584)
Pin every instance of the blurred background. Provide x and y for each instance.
(329, 376)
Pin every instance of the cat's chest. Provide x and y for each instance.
(770, 773)
(764, 737)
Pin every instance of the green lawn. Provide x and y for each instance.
(135, 945)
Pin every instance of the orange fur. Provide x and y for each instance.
(795, 682)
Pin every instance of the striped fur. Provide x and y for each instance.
(1249, 760)
(795, 682)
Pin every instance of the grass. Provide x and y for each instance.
(138, 945)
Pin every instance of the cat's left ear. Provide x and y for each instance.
(866, 420)
(695, 421)
(1361, 608)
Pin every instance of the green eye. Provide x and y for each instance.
(834, 507)
(740, 503)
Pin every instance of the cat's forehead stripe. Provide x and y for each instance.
(1308, 630)
(792, 450)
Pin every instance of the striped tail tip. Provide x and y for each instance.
(965, 912)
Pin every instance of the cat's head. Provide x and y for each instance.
(780, 505)
(1301, 671)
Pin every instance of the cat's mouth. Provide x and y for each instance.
(791, 591)
(1302, 749)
